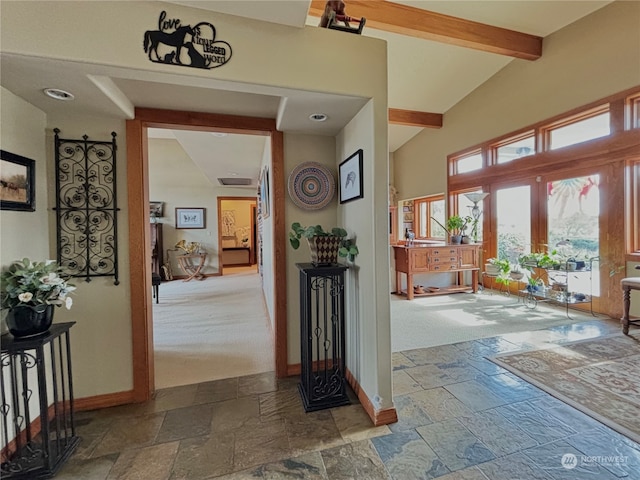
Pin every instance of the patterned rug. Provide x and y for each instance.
(600, 377)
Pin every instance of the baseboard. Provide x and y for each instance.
(378, 417)
(104, 401)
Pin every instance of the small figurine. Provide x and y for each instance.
(334, 11)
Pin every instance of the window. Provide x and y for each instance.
(632, 198)
(580, 130)
(428, 212)
(633, 111)
(467, 163)
(515, 148)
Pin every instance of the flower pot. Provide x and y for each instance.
(29, 320)
(456, 239)
(517, 276)
(324, 250)
(466, 239)
(491, 269)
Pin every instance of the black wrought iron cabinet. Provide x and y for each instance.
(37, 404)
(322, 337)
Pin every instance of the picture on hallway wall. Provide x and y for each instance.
(264, 193)
(351, 182)
(190, 218)
(17, 182)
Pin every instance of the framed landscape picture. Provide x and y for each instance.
(17, 182)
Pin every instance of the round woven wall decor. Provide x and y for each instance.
(311, 186)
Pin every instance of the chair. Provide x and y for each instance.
(155, 284)
(628, 284)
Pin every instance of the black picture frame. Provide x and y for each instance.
(17, 182)
(190, 218)
(351, 181)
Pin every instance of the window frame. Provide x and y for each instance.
(417, 221)
(546, 130)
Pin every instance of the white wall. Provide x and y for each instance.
(368, 323)
(596, 56)
(22, 133)
(268, 251)
(299, 149)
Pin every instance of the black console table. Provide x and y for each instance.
(322, 337)
(37, 371)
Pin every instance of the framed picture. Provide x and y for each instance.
(156, 209)
(350, 172)
(17, 182)
(264, 193)
(190, 217)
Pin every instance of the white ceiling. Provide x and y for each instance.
(423, 75)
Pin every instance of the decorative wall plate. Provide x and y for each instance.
(311, 186)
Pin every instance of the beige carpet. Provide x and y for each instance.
(211, 329)
(600, 377)
(445, 319)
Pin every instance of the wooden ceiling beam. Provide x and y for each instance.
(414, 22)
(413, 118)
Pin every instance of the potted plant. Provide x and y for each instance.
(516, 273)
(325, 246)
(29, 291)
(455, 226)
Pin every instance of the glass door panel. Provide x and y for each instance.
(513, 208)
(573, 212)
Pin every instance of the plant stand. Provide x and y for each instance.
(322, 337)
(39, 447)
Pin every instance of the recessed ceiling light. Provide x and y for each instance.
(232, 174)
(58, 94)
(318, 117)
(218, 134)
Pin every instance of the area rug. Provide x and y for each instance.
(600, 377)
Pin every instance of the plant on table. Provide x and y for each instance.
(346, 247)
(35, 284)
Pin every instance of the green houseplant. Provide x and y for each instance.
(455, 226)
(325, 245)
(29, 291)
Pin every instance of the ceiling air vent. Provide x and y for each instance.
(234, 181)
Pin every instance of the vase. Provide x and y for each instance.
(324, 250)
(26, 321)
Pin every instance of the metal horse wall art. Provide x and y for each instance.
(169, 43)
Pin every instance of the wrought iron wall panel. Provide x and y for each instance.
(86, 207)
(322, 383)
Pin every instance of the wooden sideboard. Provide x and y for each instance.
(434, 258)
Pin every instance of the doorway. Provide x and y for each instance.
(139, 249)
(236, 232)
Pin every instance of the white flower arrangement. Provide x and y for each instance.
(34, 283)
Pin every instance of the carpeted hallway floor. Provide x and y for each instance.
(211, 329)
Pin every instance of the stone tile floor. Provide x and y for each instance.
(461, 417)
